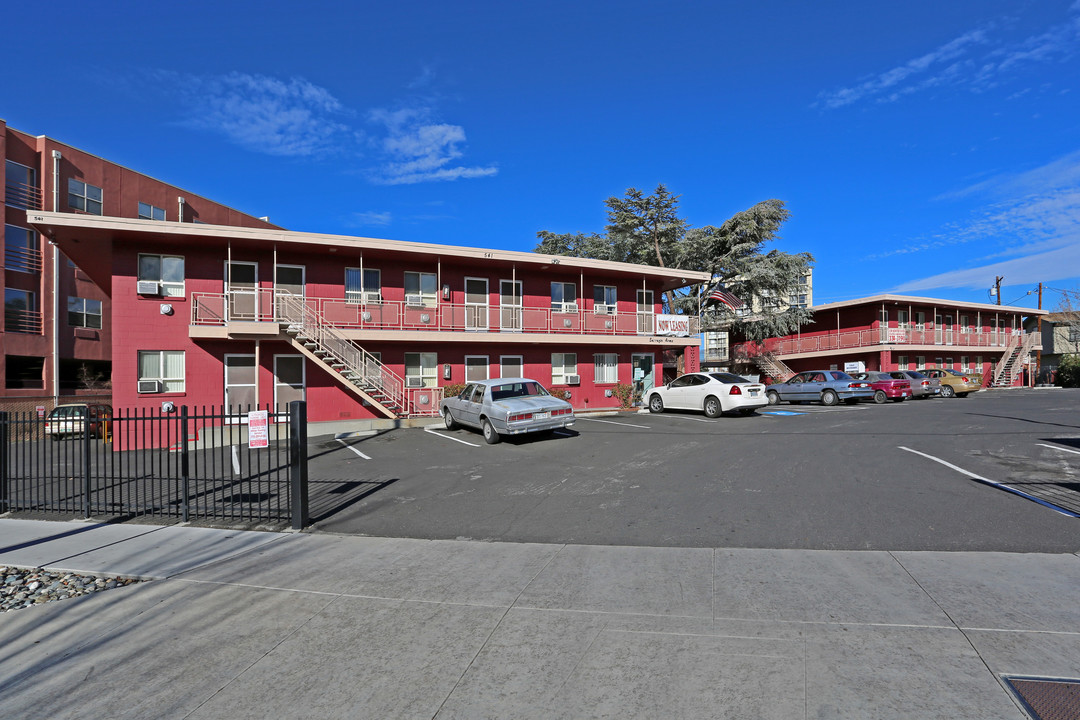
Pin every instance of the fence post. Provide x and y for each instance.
(184, 460)
(87, 480)
(298, 463)
(5, 434)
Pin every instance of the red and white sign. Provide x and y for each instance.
(678, 325)
(258, 435)
(41, 411)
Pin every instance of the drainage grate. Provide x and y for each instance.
(1047, 699)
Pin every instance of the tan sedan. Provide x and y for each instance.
(953, 382)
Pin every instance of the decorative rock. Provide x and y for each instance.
(20, 588)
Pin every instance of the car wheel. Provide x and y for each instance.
(961, 394)
(713, 408)
(829, 398)
(879, 397)
(947, 391)
(656, 403)
(449, 421)
(490, 436)
(774, 397)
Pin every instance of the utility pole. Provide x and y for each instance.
(997, 288)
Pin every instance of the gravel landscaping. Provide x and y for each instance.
(23, 588)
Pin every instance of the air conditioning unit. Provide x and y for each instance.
(573, 379)
(373, 298)
(414, 300)
(601, 309)
(414, 382)
(148, 287)
(149, 386)
(569, 307)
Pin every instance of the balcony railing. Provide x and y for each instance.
(854, 339)
(21, 195)
(22, 321)
(23, 259)
(263, 306)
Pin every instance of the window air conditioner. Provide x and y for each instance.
(569, 307)
(573, 379)
(149, 386)
(414, 300)
(373, 297)
(147, 287)
(601, 309)
(414, 382)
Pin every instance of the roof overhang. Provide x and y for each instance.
(88, 240)
(889, 300)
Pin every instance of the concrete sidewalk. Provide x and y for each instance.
(256, 625)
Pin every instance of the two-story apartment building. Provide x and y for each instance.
(891, 332)
(362, 328)
(1060, 337)
(56, 332)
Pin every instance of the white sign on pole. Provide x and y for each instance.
(258, 435)
(678, 325)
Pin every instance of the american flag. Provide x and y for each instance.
(720, 294)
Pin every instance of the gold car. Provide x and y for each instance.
(953, 382)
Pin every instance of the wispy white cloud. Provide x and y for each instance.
(978, 59)
(421, 150)
(370, 219)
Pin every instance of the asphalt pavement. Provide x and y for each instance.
(255, 625)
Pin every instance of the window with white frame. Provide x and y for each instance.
(166, 270)
(83, 312)
(476, 368)
(563, 297)
(920, 321)
(20, 186)
(605, 368)
(421, 370)
(363, 286)
(920, 361)
(511, 366)
(965, 325)
(84, 197)
(21, 249)
(165, 366)
(964, 362)
(149, 212)
(421, 288)
(605, 299)
(902, 319)
(1074, 334)
(563, 365)
(901, 362)
(978, 362)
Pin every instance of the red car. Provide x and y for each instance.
(886, 387)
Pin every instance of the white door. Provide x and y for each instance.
(240, 384)
(288, 381)
(645, 312)
(948, 330)
(644, 370)
(476, 303)
(937, 330)
(241, 283)
(510, 305)
(289, 281)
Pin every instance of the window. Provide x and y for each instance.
(920, 321)
(358, 282)
(20, 186)
(1074, 334)
(563, 297)
(149, 212)
(562, 366)
(423, 366)
(168, 270)
(24, 372)
(901, 362)
(20, 311)
(84, 197)
(963, 362)
(21, 249)
(965, 325)
(476, 368)
(605, 299)
(902, 319)
(605, 368)
(165, 366)
(84, 313)
(511, 366)
(420, 288)
(798, 301)
(920, 361)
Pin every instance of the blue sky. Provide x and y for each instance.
(921, 148)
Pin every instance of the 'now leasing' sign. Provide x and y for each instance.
(673, 325)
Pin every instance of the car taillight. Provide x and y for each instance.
(858, 385)
(518, 417)
(735, 390)
(565, 411)
(926, 383)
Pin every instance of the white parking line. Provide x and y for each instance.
(1055, 447)
(353, 449)
(447, 437)
(687, 417)
(993, 483)
(611, 422)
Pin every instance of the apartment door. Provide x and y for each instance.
(288, 287)
(241, 286)
(288, 381)
(476, 304)
(948, 330)
(510, 305)
(240, 384)
(937, 330)
(645, 312)
(644, 370)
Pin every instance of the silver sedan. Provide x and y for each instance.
(828, 387)
(506, 406)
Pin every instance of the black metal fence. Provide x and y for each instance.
(203, 464)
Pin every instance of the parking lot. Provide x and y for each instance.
(918, 475)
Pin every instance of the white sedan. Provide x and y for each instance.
(712, 392)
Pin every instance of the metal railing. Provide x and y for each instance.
(21, 195)
(192, 464)
(23, 259)
(869, 338)
(23, 321)
(263, 305)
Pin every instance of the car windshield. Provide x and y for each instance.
(516, 390)
(68, 412)
(728, 378)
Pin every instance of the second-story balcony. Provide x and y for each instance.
(264, 306)
(869, 339)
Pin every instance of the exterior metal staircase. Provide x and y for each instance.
(766, 361)
(1012, 359)
(355, 368)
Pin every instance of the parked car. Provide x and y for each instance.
(506, 406)
(886, 385)
(922, 387)
(74, 419)
(828, 387)
(953, 382)
(713, 393)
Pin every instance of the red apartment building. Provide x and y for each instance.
(56, 333)
(897, 332)
(362, 328)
